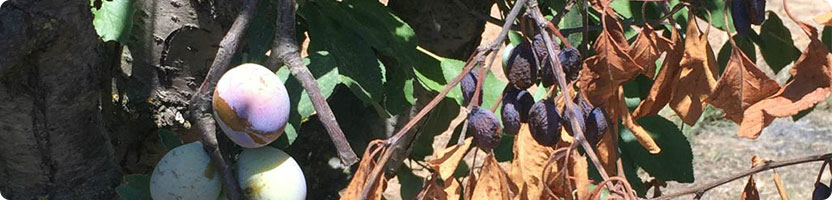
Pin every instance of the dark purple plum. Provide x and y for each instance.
(544, 122)
(468, 84)
(485, 127)
(570, 62)
(522, 66)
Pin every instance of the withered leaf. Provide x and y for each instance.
(448, 190)
(741, 85)
(697, 77)
(662, 88)
(578, 170)
(638, 131)
(354, 189)
(750, 191)
(446, 161)
(529, 160)
(612, 64)
(811, 84)
(492, 183)
(825, 18)
(647, 48)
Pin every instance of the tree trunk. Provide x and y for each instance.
(54, 144)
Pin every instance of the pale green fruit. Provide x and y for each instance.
(269, 173)
(185, 173)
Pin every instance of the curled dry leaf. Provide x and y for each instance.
(810, 85)
(354, 189)
(448, 190)
(446, 161)
(697, 77)
(579, 173)
(612, 64)
(492, 183)
(750, 191)
(647, 48)
(824, 19)
(529, 160)
(638, 131)
(662, 88)
(742, 84)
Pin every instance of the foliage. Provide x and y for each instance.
(633, 69)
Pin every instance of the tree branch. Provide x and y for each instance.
(286, 49)
(200, 106)
(699, 190)
(476, 56)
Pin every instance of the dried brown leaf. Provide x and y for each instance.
(578, 170)
(662, 88)
(647, 48)
(612, 64)
(810, 85)
(638, 131)
(750, 192)
(491, 182)
(354, 189)
(446, 161)
(697, 77)
(529, 160)
(742, 84)
(448, 190)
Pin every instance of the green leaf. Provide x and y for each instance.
(410, 183)
(573, 19)
(399, 90)
(169, 138)
(803, 113)
(134, 187)
(260, 32)
(434, 72)
(322, 66)
(436, 123)
(826, 38)
(717, 9)
(504, 152)
(777, 45)
(631, 171)
(745, 45)
(358, 66)
(114, 21)
(673, 163)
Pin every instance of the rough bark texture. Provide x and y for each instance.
(167, 56)
(54, 141)
(443, 27)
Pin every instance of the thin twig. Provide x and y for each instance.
(701, 189)
(200, 102)
(285, 47)
(571, 108)
(478, 55)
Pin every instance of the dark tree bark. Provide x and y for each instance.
(442, 26)
(54, 143)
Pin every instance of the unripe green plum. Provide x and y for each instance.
(251, 105)
(269, 173)
(185, 173)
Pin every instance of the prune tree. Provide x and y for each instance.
(585, 81)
